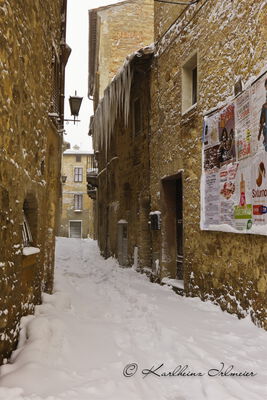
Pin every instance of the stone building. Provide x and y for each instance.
(114, 32)
(208, 56)
(77, 208)
(121, 145)
(33, 54)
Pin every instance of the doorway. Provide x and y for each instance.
(75, 230)
(172, 226)
(123, 242)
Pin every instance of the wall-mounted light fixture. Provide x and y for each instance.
(75, 104)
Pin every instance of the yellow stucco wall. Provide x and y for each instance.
(69, 189)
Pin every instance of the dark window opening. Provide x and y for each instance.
(29, 226)
(55, 98)
(78, 158)
(26, 232)
(194, 85)
(137, 116)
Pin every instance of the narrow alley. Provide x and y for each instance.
(105, 323)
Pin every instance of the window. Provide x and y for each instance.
(75, 230)
(194, 85)
(78, 202)
(136, 116)
(55, 99)
(26, 232)
(78, 174)
(78, 158)
(189, 83)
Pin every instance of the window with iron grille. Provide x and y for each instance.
(26, 232)
(78, 202)
(78, 174)
(55, 97)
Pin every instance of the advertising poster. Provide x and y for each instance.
(211, 142)
(258, 101)
(259, 189)
(226, 150)
(234, 188)
(227, 193)
(212, 205)
(243, 125)
(243, 206)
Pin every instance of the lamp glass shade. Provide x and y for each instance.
(75, 104)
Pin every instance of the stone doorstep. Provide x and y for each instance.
(155, 279)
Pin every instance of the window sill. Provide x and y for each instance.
(189, 110)
(78, 211)
(189, 114)
(29, 255)
(28, 251)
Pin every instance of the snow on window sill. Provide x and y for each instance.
(189, 110)
(78, 211)
(28, 251)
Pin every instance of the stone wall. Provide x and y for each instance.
(69, 189)
(230, 40)
(30, 158)
(123, 183)
(122, 29)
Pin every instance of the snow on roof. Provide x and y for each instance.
(73, 151)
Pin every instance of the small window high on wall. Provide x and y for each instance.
(189, 83)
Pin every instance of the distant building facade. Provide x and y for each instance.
(33, 57)
(77, 220)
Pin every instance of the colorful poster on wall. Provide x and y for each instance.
(243, 207)
(212, 205)
(258, 100)
(227, 194)
(259, 189)
(226, 150)
(243, 125)
(234, 180)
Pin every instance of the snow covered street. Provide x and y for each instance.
(105, 323)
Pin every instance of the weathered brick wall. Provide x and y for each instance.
(29, 157)
(123, 29)
(230, 39)
(69, 189)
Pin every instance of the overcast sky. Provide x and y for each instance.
(77, 69)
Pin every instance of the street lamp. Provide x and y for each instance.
(75, 104)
